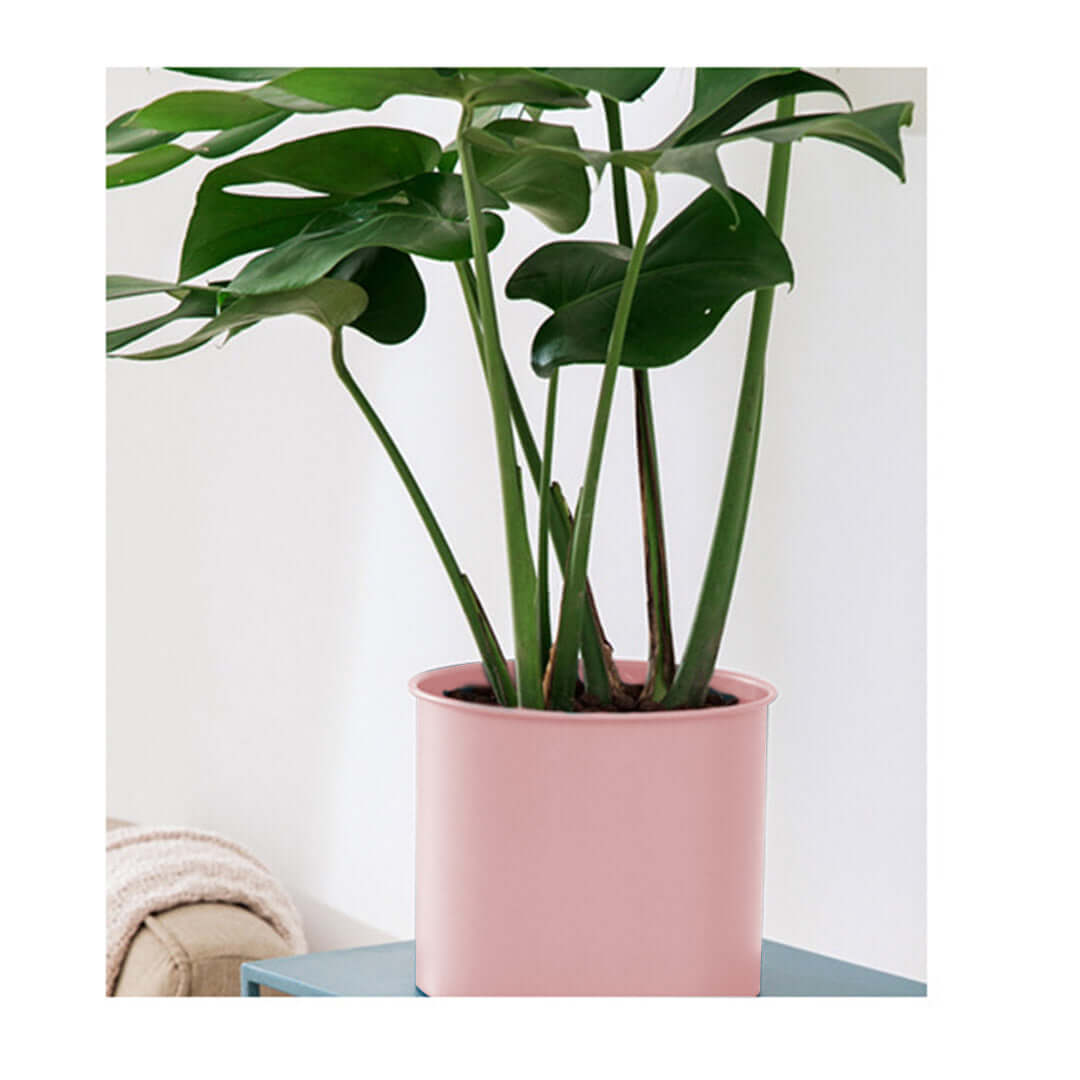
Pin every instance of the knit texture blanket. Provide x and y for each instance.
(148, 870)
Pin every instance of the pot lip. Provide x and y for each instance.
(667, 715)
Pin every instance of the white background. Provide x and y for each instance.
(270, 589)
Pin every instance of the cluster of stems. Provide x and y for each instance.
(546, 666)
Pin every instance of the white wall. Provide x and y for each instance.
(271, 590)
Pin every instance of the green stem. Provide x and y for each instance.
(543, 595)
(519, 555)
(601, 677)
(661, 639)
(691, 684)
(494, 662)
(562, 671)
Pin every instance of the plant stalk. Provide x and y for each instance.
(494, 662)
(562, 671)
(543, 593)
(691, 684)
(519, 554)
(661, 640)
(601, 677)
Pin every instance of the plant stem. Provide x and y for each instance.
(601, 678)
(691, 682)
(661, 640)
(543, 595)
(562, 672)
(519, 555)
(494, 662)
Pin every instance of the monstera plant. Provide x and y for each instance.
(378, 199)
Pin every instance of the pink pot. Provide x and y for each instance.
(589, 853)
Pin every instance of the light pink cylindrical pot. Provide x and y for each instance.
(589, 853)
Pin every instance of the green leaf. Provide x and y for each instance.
(425, 216)
(700, 162)
(228, 142)
(519, 86)
(145, 164)
(119, 286)
(202, 110)
(874, 132)
(724, 96)
(234, 74)
(358, 88)
(332, 303)
(123, 136)
(354, 161)
(196, 304)
(622, 84)
(396, 299)
(368, 88)
(692, 273)
(553, 189)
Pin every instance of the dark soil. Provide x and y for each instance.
(482, 694)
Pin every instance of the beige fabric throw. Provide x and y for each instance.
(148, 870)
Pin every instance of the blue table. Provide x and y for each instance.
(388, 971)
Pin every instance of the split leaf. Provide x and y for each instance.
(692, 273)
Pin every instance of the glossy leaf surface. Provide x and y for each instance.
(355, 161)
(553, 189)
(198, 303)
(121, 286)
(874, 132)
(396, 298)
(145, 165)
(202, 110)
(620, 83)
(724, 96)
(234, 74)
(332, 303)
(228, 142)
(697, 161)
(425, 216)
(124, 136)
(368, 88)
(519, 86)
(692, 273)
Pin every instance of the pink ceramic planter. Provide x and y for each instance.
(589, 853)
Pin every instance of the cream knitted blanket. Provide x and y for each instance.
(153, 869)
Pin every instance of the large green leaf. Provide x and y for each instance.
(697, 161)
(332, 303)
(234, 74)
(145, 165)
(202, 110)
(124, 136)
(622, 83)
(198, 303)
(347, 163)
(519, 86)
(228, 142)
(121, 286)
(396, 298)
(693, 272)
(724, 96)
(874, 132)
(152, 158)
(425, 216)
(368, 88)
(356, 88)
(554, 189)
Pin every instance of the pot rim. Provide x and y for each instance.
(769, 695)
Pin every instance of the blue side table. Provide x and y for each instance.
(389, 971)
